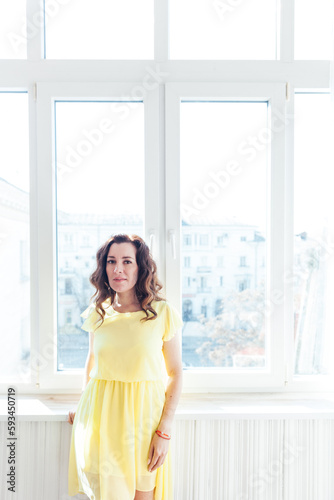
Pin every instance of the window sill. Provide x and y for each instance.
(191, 406)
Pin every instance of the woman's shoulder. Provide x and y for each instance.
(163, 304)
(158, 305)
(91, 318)
(159, 302)
(165, 308)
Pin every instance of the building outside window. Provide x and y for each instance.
(68, 286)
(220, 261)
(187, 239)
(204, 239)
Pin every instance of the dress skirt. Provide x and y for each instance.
(111, 436)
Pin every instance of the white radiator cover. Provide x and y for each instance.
(218, 459)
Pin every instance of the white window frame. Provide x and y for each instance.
(48, 93)
(299, 383)
(23, 75)
(275, 95)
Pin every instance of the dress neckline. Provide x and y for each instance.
(128, 312)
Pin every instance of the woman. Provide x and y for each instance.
(122, 426)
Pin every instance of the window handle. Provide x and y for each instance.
(171, 234)
(152, 237)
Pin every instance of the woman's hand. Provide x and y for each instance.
(71, 415)
(157, 452)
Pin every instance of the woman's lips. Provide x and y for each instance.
(119, 279)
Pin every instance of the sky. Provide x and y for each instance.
(100, 157)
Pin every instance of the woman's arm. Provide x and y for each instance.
(90, 361)
(172, 354)
(159, 446)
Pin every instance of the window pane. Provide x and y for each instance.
(100, 192)
(223, 208)
(14, 237)
(313, 29)
(13, 32)
(313, 233)
(219, 29)
(103, 29)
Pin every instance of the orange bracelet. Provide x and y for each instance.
(163, 434)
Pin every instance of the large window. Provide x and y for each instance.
(100, 191)
(204, 127)
(220, 29)
(105, 29)
(224, 190)
(227, 153)
(100, 170)
(313, 233)
(13, 30)
(313, 29)
(14, 237)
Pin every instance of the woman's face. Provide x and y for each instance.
(121, 267)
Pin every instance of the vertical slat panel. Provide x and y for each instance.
(184, 452)
(213, 459)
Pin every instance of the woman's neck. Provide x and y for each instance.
(124, 302)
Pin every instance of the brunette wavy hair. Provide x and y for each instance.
(147, 287)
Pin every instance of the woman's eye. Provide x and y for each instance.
(111, 261)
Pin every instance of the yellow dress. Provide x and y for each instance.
(121, 406)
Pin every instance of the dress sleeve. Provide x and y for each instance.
(91, 317)
(173, 321)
